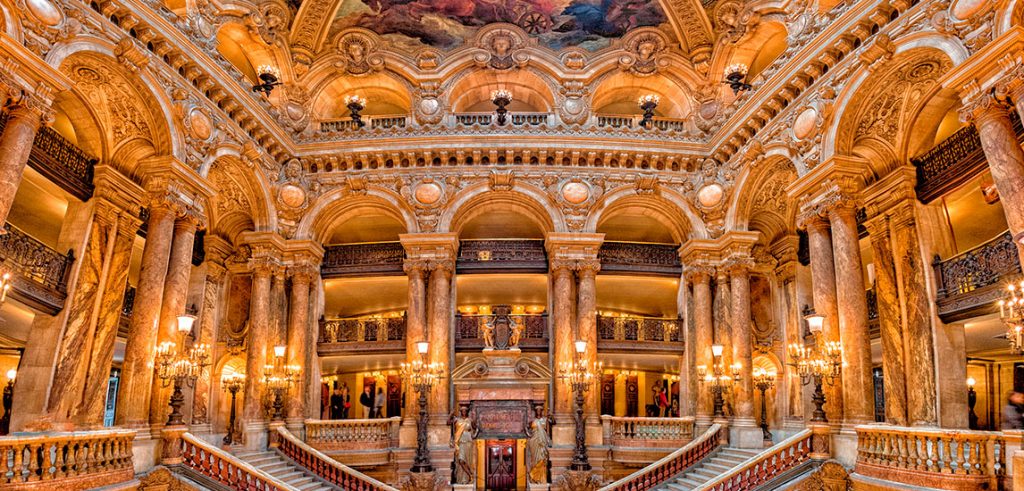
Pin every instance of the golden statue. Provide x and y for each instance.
(537, 447)
(465, 431)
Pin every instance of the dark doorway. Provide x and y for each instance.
(501, 465)
(394, 396)
(632, 396)
(608, 394)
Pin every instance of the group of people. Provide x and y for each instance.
(661, 405)
(373, 405)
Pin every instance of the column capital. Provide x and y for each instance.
(983, 106)
(839, 203)
(573, 246)
(117, 189)
(303, 273)
(31, 108)
(737, 265)
(414, 267)
(698, 273)
(431, 247)
(878, 227)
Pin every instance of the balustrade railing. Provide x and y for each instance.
(364, 333)
(469, 330)
(647, 432)
(370, 122)
(504, 255)
(325, 467)
(226, 469)
(514, 119)
(67, 461)
(348, 434)
(944, 459)
(380, 258)
(970, 283)
(61, 161)
(632, 257)
(765, 466)
(626, 332)
(670, 465)
(633, 121)
(40, 273)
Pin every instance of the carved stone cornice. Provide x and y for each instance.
(573, 251)
(431, 251)
(118, 189)
(894, 189)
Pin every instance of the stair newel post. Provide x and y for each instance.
(172, 451)
(274, 438)
(821, 439)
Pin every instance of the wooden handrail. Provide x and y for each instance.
(325, 467)
(227, 469)
(66, 460)
(670, 465)
(764, 466)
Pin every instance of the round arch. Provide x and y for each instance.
(341, 205)
(670, 210)
(530, 91)
(474, 201)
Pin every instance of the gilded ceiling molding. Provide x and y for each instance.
(693, 28)
(309, 30)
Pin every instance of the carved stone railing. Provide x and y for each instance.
(40, 273)
(933, 458)
(638, 258)
(61, 161)
(387, 121)
(639, 333)
(224, 468)
(954, 162)
(328, 435)
(326, 467)
(517, 119)
(670, 465)
(647, 432)
(488, 256)
(971, 283)
(67, 461)
(766, 466)
(633, 121)
(380, 258)
(469, 331)
(361, 334)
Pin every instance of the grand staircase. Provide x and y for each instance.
(284, 470)
(719, 462)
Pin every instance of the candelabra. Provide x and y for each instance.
(764, 380)
(648, 103)
(972, 400)
(821, 363)
(1011, 311)
(579, 375)
(501, 98)
(719, 380)
(180, 367)
(279, 377)
(734, 75)
(422, 377)
(8, 401)
(355, 104)
(232, 383)
(269, 78)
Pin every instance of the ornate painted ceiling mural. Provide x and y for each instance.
(445, 24)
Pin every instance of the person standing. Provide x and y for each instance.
(336, 404)
(346, 400)
(1012, 418)
(366, 400)
(378, 403)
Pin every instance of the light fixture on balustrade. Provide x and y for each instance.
(1011, 311)
(734, 77)
(501, 98)
(269, 76)
(355, 105)
(422, 376)
(232, 383)
(763, 381)
(820, 363)
(279, 377)
(718, 379)
(648, 103)
(580, 374)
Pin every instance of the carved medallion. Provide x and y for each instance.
(199, 124)
(428, 193)
(45, 12)
(804, 124)
(711, 195)
(292, 195)
(965, 9)
(575, 192)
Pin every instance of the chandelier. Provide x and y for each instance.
(1011, 311)
(180, 367)
(821, 363)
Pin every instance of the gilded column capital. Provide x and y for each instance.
(561, 266)
(812, 218)
(878, 227)
(414, 267)
(785, 271)
(698, 274)
(263, 266)
(903, 215)
(737, 265)
(588, 267)
(30, 108)
(303, 273)
(839, 203)
(983, 106)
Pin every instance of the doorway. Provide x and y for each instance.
(501, 465)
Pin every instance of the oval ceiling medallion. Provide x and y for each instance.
(575, 192)
(965, 9)
(711, 195)
(804, 124)
(428, 193)
(200, 124)
(292, 195)
(45, 11)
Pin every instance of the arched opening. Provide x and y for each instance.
(384, 95)
(530, 93)
(618, 95)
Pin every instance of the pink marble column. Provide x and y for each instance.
(703, 338)
(207, 332)
(140, 350)
(723, 320)
(299, 342)
(179, 270)
(587, 324)
(742, 350)
(439, 313)
(415, 325)
(258, 343)
(858, 393)
(23, 121)
(890, 322)
(823, 279)
(562, 335)
(278, 309)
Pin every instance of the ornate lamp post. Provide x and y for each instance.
(764, 380)
(580, 375)
(648, 103)
(269, 78)
(719, 380)
(232, 383)
(5, 421)
(972, 400)
(734, 75)
(821, 363)
(422, 377)
(355, 104)
(1011, 311)
(279, 378)
(501, 98)
(180, 367)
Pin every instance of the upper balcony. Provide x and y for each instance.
(632, 334)
(970, 284)
(40, 273)
(362, 334)
(61, 161)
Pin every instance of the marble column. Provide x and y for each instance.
(179, 271)
(890, 322)
(257, 350)
(140, 350)
(439, 333)
(858, 386)
(23, 121)
(920, 346)
(742, 351)
(415, 326)
(723, 323)
(206, 328)
(823, 279)
(299, 341)
(586, 319)
(562, 337)
(279, 320)
(1005, 157)
(703, 339)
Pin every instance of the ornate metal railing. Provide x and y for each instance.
(76, 460)
(61, 161)
(647, 432)
(386, 121)
(226, 469)
(40, 273)
(362, 334)
(481, 256)
(325, 467)
(631, 257)
(970, 284)
(380, 258)
(931, 457)
(128, 303)
(469, 331)
(348, 434)
(631, 333)
(670, 465)
(766, 466)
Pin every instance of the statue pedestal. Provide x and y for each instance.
(463, 487)
(537, 487)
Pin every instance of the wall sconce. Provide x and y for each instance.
(269, 78)
(734, 77)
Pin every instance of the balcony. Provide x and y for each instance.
(632, 334)
(633, 121)
(61, 162)
(488, 256)
(381, 258)
(362, 335)
(387, 121)
(637, 258)
(40, 273)
(469, 330)
(970, 284)
(645, 440)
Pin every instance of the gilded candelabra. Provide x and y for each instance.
(501, 98)
(648, 103)
(764, 380)
(1011, 311)
(422, 377)
(718, 379)
(355, 105)
(735, 76)
(580, 375)
(180, 366)
(821, 363)
(232, 384)
(279, 377)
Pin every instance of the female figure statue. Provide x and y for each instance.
(464, 431)
(539, 433)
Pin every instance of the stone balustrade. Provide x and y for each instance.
(386, 121)
(350, 434)
(934, 458)
(67, 461)
(647, 432)
(326, 467)
(970, 283)
(224, 468)
(670, 465)
(761, 469)
(40, 273)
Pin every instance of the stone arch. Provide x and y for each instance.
(472, 88)
(241, 194)
(532, 202)
(617, 92)
(341, 204)
(11, 23)
(761, 201)
(386, 93)
(680, 220)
